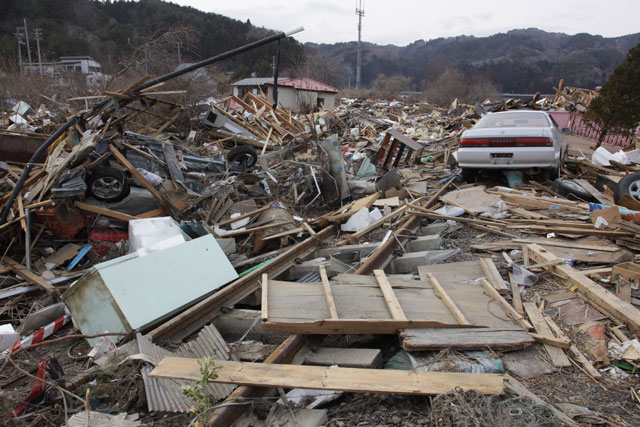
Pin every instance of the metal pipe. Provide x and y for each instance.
(217, 58)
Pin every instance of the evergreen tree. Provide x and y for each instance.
(617, 107)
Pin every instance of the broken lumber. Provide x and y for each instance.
(623, 310)
(322, 378)
(557, 356)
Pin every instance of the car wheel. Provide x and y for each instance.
(469, 175)
(107, 185)
(571, 190)
(629, 185)
(242, 157)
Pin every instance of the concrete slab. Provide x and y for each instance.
(409, 262)
(344, 357)
(424, 243)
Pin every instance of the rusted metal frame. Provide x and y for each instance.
(226, 415)
(383, 255)
(203, 312)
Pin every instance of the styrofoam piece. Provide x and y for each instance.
(8, 336)
(145, 232)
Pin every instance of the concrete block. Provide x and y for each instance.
(436, 228)
(409, 262)
(424, 243)
(344, 357)
(281, 416)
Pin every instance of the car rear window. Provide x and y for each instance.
(512, 120)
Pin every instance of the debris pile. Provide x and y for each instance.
(328, 255)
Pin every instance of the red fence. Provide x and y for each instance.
(579, 127)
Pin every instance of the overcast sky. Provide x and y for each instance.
(401, 22)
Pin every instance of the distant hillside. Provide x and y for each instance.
(521, 61)
(149, 34)
(112, 31)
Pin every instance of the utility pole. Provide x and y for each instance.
(26, 36)
(360, 13)
(179, 56)
(37, 33)
(20, 37)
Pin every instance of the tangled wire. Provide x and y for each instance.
(472, 409)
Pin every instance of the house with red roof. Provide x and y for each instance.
(304, 94)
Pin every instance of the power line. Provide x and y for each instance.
(360, 13)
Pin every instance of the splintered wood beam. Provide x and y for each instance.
(557, 356)
(595, 293)
(265, 297)
(29, 275)
(103, 211)
(330, 378)
(146, 184)
(586, 364)
(328, 295)
(389, 296)
(442, 294)
(493, 275)
(508, 308)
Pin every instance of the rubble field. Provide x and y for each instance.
(232, 263)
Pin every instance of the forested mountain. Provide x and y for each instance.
(522, 61)
(112, 31)
(119, 33)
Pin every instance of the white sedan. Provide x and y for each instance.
(521, 139)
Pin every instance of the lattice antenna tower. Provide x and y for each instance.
(360, 13)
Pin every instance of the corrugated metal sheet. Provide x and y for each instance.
(164, 394)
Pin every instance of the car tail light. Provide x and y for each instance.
(475, 142)
(534, 142)
(507, 142)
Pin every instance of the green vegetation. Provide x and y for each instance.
(617, 108)
(197, 393)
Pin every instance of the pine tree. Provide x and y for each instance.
(617, 107)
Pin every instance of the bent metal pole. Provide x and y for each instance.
(98, 106)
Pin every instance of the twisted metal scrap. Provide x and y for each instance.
(472, 409)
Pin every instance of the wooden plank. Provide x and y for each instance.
(356, 326)
(586, 364)
(508, 308)
(465, 339)
(593, 191)
(553, 341)
(493, 275)
(326, 286)
(322, 378)
(265, 297)
(308, 229)
(578, 231)
(558, 358)
(517, 298)
(389, 296)
(146, 184)
(29, 275)
(522, 391)
(566, 244)
(626, 312)
(442, 294)
(103, 211)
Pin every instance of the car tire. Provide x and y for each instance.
(629, 185)
(242, 156)
(571, 190)
(107, 184)
(469, 175)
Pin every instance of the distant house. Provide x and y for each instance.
(65, 64)
(253, 85)
(83, 64)
(303, 94)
